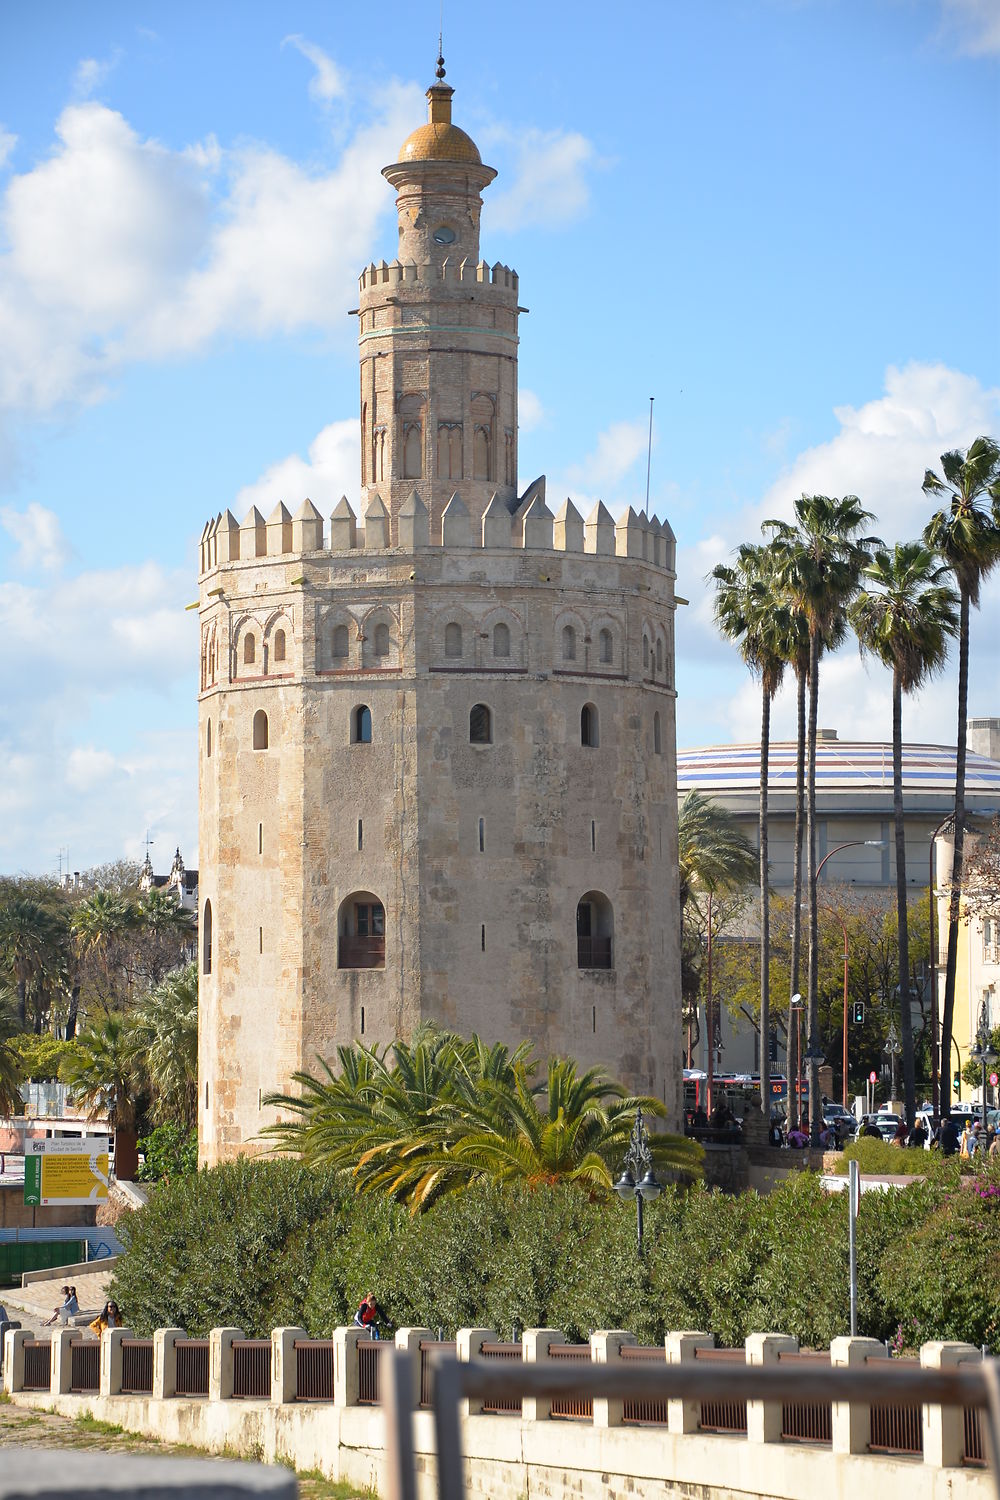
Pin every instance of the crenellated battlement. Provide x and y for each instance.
(451, 272)
(532, 527)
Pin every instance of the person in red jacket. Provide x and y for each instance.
(368, 1315)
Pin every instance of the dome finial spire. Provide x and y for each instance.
(439, 71)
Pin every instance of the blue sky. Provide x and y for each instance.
(780, 218)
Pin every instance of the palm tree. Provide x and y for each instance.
(905, 615)
(10, 1067)
(106, 1073)
(966, 533)
(746, 611)
(819, 562)
(99, 924)
(445, 1113)
(713, 857)
(30, 946)
(166, 1027)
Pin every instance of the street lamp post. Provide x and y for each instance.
(813, 1050)
(892, 1050)
(638, 1179)
(796, 1005)
(985, 1055)
(843, 928)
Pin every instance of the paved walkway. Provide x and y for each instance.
(32, 1304)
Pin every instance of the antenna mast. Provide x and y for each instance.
(649, 452)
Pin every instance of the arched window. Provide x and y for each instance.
(361, 725)
(645, 653)
(588, 726)
(208, 740)
(361, 932)
(279, 645)
(339, 643)
(481, 453)
(595, 931)
(453, 640)
(449, 450)
(249, 650)
(480, 725)
(260, 730)
(569, 643)
(657, 746)
(411, 436)
(206, 939)
(606, 644)
(364, 442)
(501, 640)
(381, 640)
(483, 411)
(659, 656)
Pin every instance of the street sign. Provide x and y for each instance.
(873, 1076)
(66, 1171)
(993, 1080)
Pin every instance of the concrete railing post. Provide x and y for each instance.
(62, 1360)
(165, 1361)
(284, 1365)
(111, 1359)
(764, 1417)
(409, 1340)
(469, 1346)
(944, 1426)
(681, 1348)
(605, 1349)
(13, 1359)
(345, 1364)
(220, 1362)
(851, 1421)
(535, 1346)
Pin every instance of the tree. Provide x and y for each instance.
(905, 615)
(819, 561)
(106, 1073)
(747, 612)
(11, 1071)
(714, 859)
(166, 1028)
(31, 939)
(966, 533)
(417, 1121)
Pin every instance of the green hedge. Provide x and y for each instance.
(260, 1244)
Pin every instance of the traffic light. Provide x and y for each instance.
(956, 1083)
(859, 1012)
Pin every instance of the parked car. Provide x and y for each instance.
(841, 1119)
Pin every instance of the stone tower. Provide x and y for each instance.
(438, 776)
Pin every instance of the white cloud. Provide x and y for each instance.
(38, 534)
(879, 453)
(530, 411)
(550, 186)
(91, 72)
(326, 83)
(972, 25)
(330, 471)
(618, 448)
(7, 143)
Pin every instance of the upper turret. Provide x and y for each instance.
(438, 178)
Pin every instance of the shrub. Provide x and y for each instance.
(168, 1151)
(882, 1159)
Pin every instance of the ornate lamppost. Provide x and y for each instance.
(985, 1055)
(638, 1179)
(892, 1049)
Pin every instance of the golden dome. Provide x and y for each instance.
(439, 142)
(439, 139)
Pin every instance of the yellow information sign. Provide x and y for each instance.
(66, 1170)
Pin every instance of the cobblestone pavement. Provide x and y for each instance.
(33, 1303)
(30, 1428)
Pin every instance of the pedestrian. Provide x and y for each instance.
(899, 1139)
(917, 1138)
(108, 1317)
(368, 1315)
(67, 1309)
(949, 1136)
(966, 1145)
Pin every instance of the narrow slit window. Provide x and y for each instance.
(362, 1020)
(208, 740)
(260, 939)
(657, 745)
(606, 645)
(588, 726)
(260, 730)
(249, 651)
(206, 939)
(362, 725)
(361, 834)
(206, 1094)
(594, 1018)
(482, 938)
(569, 643)
(482, 835)
(279, 645)
(260, 838)
(593, 836)
(260, 1098)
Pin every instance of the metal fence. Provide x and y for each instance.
(645, 1412)
(192, 1367)
(427, 1349)
(37, 1365)
(85, 1367)
(314, 1369)
(137, 1367)
(726, 1415)
(806, 1421)
(252, 1369)
(896, 1427)
(577, 1408)
(974, 1452)
(503, 1407)
(369, 1355)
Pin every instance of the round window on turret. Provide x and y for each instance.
(444, 236)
